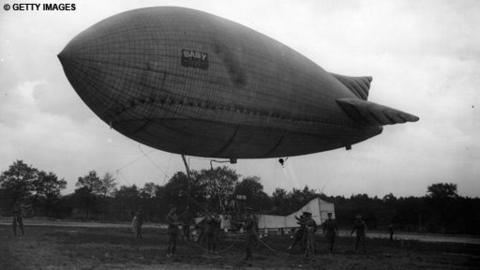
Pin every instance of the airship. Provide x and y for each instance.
(188, 82)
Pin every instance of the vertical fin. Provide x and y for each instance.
(357, 85)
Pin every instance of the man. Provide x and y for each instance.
(330, 231)
(359, 227)
(298, 237)
(251, 235)
(17, 220)
(137, 223)
(390, 230)
(201, 227)
(211, 232)
(310, 229)
(172, 220)
(187, 220)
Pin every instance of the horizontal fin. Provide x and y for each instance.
(357, 85)
(374, 114)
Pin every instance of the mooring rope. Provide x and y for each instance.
(208, 251)
(272, 249)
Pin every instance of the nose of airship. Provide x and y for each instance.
(85, 66)
(63, 55)
(103, 61)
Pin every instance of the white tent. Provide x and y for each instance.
(318, 207)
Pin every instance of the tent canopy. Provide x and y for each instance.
(318, 207)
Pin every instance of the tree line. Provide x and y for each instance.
(222, 190)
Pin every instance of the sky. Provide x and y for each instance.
(424, 57)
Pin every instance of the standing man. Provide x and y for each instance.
(137, 223)
(172, 220)
(201, 228)
(390, 230)
(310, 229)
(298, 237)
(211, 232)
(187, 220)
(251, 235)
(17, 220)
(360, 228)
(330, 230)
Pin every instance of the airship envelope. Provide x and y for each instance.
(188, 82)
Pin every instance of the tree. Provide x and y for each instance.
(389, 198)
(107, 185)
(149, 190)
(18, 183)
(151, 196)
(86, 195)
(181, 191)
(442, 191)
(279, 201)
(47, 189)
(91, 182)
(84, 199)
(219, 184)
(47, 185)
(298, 198)
(253, 190)
(127, 199)
(442, 203)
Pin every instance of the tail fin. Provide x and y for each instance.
(374, 114)
(357, 85)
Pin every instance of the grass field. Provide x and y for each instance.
(47, 247)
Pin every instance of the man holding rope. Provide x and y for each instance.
(172, 220)
(251, 235)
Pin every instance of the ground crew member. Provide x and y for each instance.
(187, 220)
(17, 220)
(251, 234)
(359, 227)
(298, 237)
(330, 231)
(172, 220)
(211, 232)
(390, 230)
(137, 223)
(310, 229)
(201, 228)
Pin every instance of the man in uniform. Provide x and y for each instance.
(137, 223)
(187, 221)
(201, 227)
(390, 231)
(309, 234)
(359, 227)
(211, 232)
(330, 231)
(172, 220)
(17, 220)
(298, 237)
(251, 235)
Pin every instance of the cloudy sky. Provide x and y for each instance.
(424, 57)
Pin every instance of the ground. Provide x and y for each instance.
(54, 247)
